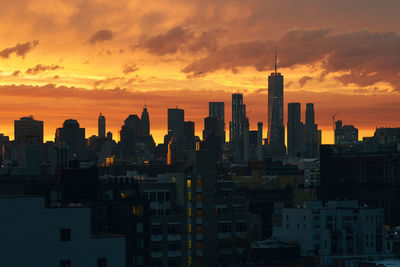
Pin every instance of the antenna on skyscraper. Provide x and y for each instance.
(276, 60)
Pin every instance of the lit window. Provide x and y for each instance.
(189, 228)
(198, 197)
(199, 246)
(189, 244)
(199, 183)
(189, 196)
(189, 183)
(199, 229)
(137, 210)
(199, 213)
(189, 212)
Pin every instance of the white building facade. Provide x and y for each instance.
(340, 228)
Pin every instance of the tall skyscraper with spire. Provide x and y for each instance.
(102, 126)
(276, 129)
(145, 122)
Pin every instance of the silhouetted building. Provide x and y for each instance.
(294, 130)
(237, 127)
(217, 110)
(28, 131)
(276, 129)
(371, 178)
(189, 130)
(345, 134)
(310, 133)
(72, 136)
(145, 122)
(102, 126)
(176, 123)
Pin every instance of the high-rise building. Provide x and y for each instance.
(102, 126)
(129, 133)
(73, 136)
(345, 134)
(145, 122)
(294, 129)
(237, 126)
(217, 110)
(276, 129)
(310, 133)
(176, 123)
(28, 131)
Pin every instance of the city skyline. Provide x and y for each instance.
(191, 55)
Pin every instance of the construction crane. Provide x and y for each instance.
(333, 124)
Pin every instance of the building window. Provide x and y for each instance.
(189, 212)
(189, 184)
(156, 229)
(241, 227)
(198, 197)
(189, 228)
(140, 243)
(137, 210)
(198, 182)
(199, 245)
(139, 227)
(199, 229)
(65, 234)
(65, 263)
(199, 213)
(174, 229)
(224, 227)
(102, 262)
(189, 196)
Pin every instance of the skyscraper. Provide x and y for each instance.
(28, 131)
(102, 126)
(176, 123)
(217, 110)
(294, 128)
(145, 122)
(73, 136)
(310, 133)
(237, 126)
(276, 130)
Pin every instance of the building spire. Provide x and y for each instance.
(276, 60)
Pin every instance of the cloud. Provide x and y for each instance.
(129, 68)
(101, 36)
(179, 39)
(303, 80)
(19, 49)
(41, 68)
(362, 57)
(16, 73)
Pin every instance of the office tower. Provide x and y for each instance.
(145, 122)
(345, 134)
(260, 154)
(310, 133)
(246, 140)
(102, 126)
(294, 128)
(237, 126)
(73, 136)
(110, 136)
(176, 123)
(276, 130)
(217, 110)
(28, 131)
(189, 142)
(129, 133)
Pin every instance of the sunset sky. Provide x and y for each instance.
(77, 58)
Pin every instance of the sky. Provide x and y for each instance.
(73, 59)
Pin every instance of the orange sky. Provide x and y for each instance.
(77, 58)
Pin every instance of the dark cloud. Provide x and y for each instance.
(179, 39)
(129, 68)
(19, 49)
(303, 80)
(101, 36)
(365, 57)
(41, 68)
(16, 73)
